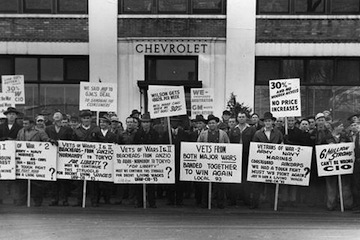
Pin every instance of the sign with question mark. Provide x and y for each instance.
(36, 161)
(7, 160)
(278, 163)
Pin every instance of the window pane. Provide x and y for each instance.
(345, 101)
(77, 69)
(6, 66)
(27, 67)
(207, 6)
(139, 6)
(8, 6)
(347, 71)
(267, 70)
(31, 107)
(293, 69)
(320, 71)
(72, 6)
(175, 6)
(273, 6)
(52, 69)
(37, 6)
(309, 6)
(348, 6)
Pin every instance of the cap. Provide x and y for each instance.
(85, 113)
(319, 115)
(40, 117)
(114, 119)
(226, 112)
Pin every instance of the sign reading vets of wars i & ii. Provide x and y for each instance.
(285, 97)
(144, 164)
(14, 84)
(36, 161)
(7, 160)
(85, 161)
(98, 97)
(210, 162)
(278, 163)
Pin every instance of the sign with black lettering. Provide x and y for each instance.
(202, 102)
(14, 84)
(175, 47)
(36, 161)
(144, 164)
(335, 159)
(165, 101)
(285, 97)
(85, 161)
(98, 97)
(210, 162)
(7, 160)
(6, 100)
(278, 163)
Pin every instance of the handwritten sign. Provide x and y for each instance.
(210, 162)
(85, 161)
(202, 101)
(6, 100)
(144, 164)
(7, 160)
(276, 163)
(285, 97)
(14, 84)
(165, 101)
(36, 161)
(98, 96)
(335, 159)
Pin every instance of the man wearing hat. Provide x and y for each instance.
(116, 126)
(224, 124)
(135, 113)
(353, 118)
(46, 115)
(268, 134)
(214, 135)
(146, 135)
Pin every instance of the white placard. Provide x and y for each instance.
(36, 161)
(6, 100)
(277, 163)
(202, 102)
(7, 160)
(335, 159)
(210, 162)
(144, 164)
(85, 161)
(14, 84)
(285, 97)
(166, 101)
(98, 97)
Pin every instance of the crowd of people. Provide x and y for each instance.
(232, 128)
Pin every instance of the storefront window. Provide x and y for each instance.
(37, 6)
(273, 6)
(27, 67)
(140, 6)
(348, 6)
(267, 70)
(320, 71)
(76, 69)
(52, 69)
(8, 6)
(292, 69)
(72, 6)
(172, 6)
(348, 71)
(310, 6)
(207, 6)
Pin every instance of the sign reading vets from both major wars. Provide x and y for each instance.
(202, 102)
(285, 97)
(144, 164)
(36, 161)
(210, 162)
(98, 97)
(14, 84)
(335, 159)
(7, 160)
(85, 161)
(278, 163)
(165, 101)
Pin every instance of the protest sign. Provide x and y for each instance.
(36, 161)
(85, 161)
(165, 101)
(277, 163)
(6, 100)
(210, 162)
(98, 97)
(144, 164)
(202, 101)
(7, 160)
(285, 97)
(335, 159)
(14, 84)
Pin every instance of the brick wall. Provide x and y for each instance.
(308, 30)
(44, 29)
(171, 27)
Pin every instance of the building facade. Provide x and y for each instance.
(230, 45)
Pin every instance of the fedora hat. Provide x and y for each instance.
(212, 117)
(145, 117)
(200, 118)
(11, 110)
(268, 115)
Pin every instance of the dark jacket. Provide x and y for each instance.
(142, 137)
(247, 135)
(293, 137)
(98, 136)
(65, 133)
(9, 134)
(82, 134)
(275, 136)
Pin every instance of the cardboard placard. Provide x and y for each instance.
(14, 84)
(285, 97)
(98, 97)
(85, 161)
(277, 163)
(36, 161)
(210, 162)
(6, 100)
(202, 102)
(335, 159)
(7, 160)
(144, 164)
